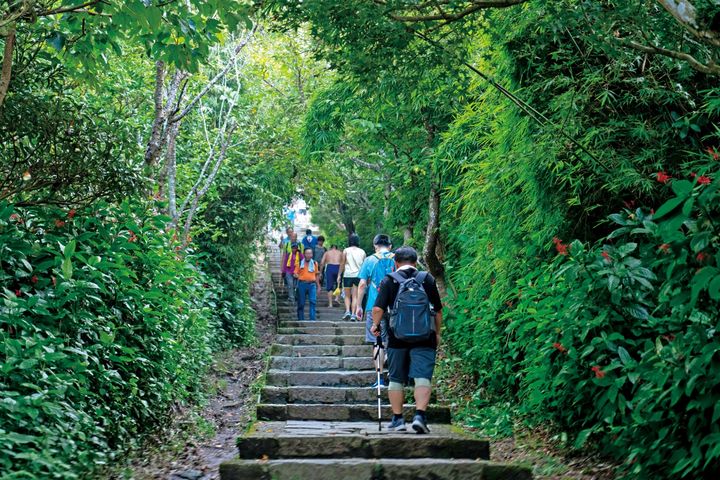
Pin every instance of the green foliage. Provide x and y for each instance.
(103, 328)
(611, 344)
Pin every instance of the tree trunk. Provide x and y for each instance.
(433, 262)
(347, 218)
(7, 65)
(408, 233)
(171, 171)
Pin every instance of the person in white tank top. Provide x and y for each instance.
(352, 259)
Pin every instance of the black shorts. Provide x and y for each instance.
(351, 282)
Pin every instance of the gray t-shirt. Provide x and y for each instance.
(318, 253)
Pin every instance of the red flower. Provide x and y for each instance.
(663, 177)
(606, 256)
(561, 248)
(629, 204)
(18, 293)
(704, 180)
(693, 175)
(669, 337)
(702, 257)
(133, 237)
(71, 214)
(714, 153)
(598, 372)
(559, 347)
(59, 223)
(34, 279)
(665, 247)
(54, 281)
(652, 211)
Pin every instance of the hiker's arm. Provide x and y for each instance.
(342, 267)
(361, 294)
(377, 314)
(322, 261)
(438, 325)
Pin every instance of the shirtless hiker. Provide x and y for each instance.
(330, 264)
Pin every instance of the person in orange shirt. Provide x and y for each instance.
(307, 274)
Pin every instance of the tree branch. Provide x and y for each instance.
(215, 79)
(76, 8)
(685, 14)
(711, 68)
(452, 17)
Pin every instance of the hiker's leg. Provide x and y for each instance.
(354, 295)
(290, 282)
(301, 301)
(422, 393)
(312, 290)
(398, 364)
(330, 302)
(348, 298)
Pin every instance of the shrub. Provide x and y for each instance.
(103, 327)
(617, 343)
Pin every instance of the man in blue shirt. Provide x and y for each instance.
(372, 272)
(309, 240)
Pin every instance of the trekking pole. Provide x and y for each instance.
(378, 370)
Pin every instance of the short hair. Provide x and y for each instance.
(321, 238)
(333, 246)
(354, 240)
(382, 240)
(289, 229)
(294, 245)
(308, 248)
(308, 231)
(406, 255)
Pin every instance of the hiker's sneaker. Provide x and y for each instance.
(347, 316)
(420, 425)
(375, 385)
(397, 425)
(353, 318)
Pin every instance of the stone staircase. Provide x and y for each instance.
(317, 416)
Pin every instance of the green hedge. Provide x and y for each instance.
(103, 327)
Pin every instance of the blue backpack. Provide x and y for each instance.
(411, 319)
(384, 266)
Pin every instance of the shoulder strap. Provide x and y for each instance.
(397, 277)
(420, 277)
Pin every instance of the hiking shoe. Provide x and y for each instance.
(353, 318)
(375, 385)
(397, 425)
(347, 316)
(420, 425)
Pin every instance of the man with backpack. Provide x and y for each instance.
(372, 272)
(413, 302)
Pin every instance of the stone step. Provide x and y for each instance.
(348, 330)
(319, 317)
(302, 339)
(360, 446)
(321, 363)
(335, 378)
(321, 350)
(371, 469)
(343, 412)
(304, 394)
(294, 323)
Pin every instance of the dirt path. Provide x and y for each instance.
(196, 454)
